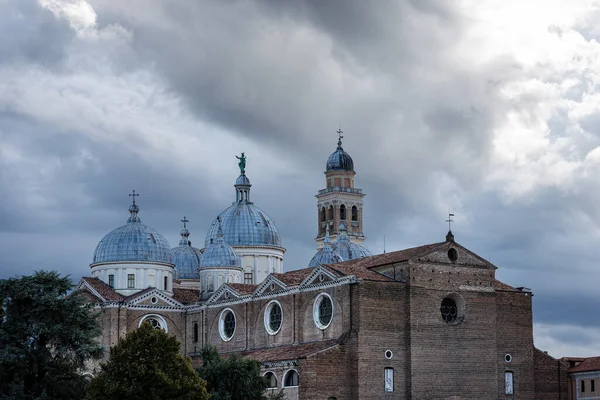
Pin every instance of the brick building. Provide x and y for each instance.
(430, 322)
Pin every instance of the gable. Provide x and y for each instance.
(319, 275)
(224, 293)
(270, 285)
(454, 254)
(152, 298)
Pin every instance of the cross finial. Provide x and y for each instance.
(134, 195)
(185, 221)
(340, 137)
(450, 221)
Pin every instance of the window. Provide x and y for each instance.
(323, 215)
(388, 376)
(291, 379)
(195, 332)
(343, 212)
(130, 281)
(166, 283)
(449, 310)
(227, 324)
(248, 278)
(593, 385)
(323, 311)
(156, 321)
(330, 213)
(111, 281)
(354, 213)
(508, 382)
(271, 380)
(582, 386)
(273, 317)
(211, 284)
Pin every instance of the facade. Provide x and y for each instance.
(584, 379)
(429, 322)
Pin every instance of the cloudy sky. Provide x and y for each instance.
(487, 108)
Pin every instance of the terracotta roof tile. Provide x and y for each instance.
(103, 289)
(392, 257)
(243, 288)
(140, 293)
(503, 286)
(589, 364)
(290, 352)
(293, 278)
(186, 296)
(358, 271)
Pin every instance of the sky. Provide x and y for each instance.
(489, 109)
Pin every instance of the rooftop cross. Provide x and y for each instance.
(185, 221)
(134, 195)
(340, 136)
(450, 221)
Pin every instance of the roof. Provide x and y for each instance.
(357, 270)
(290, 352)
(243, 288)
(503, 286)
(589, 364)
(392, 257)
(103, 289)
(186, 296)
(293, 278)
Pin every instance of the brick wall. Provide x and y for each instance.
(550, 377)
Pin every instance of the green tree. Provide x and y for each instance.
(233, 378)
(46, 336)
(147, 365)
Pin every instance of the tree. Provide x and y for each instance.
(46, 337)
(233, 378)
(147, 365)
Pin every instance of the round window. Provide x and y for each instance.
(508, 358)
(154, 300)
(453, 254)
(227, 324)
(323, 311)
(155, 321)
(389, 354)
(449, 310)
(273, 317)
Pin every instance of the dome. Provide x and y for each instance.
(339, 160)
(219, 253)
(346, 249)
(133, 241)
(325, 255)
(244, 224)
(185, 257)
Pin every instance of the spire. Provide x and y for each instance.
(185, 234)
(134, 209)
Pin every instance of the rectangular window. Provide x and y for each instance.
(593, 385)
(508, 382)
(582, 386)
(130, 281)
(248, 278)
(111, 281)
(389, 379)
(166, 283)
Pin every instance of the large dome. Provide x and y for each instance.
(133, 241)
(339, 160)
(244, 224)
(185, 257)
(346, 249)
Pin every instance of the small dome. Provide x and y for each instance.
(185, 257)
(242, 180)
(339, 160)
(346, 249)
(133, 241)
(325, 255)
(219, 253)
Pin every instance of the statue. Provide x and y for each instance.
(242, 163)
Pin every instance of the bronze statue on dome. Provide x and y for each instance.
(242, 163)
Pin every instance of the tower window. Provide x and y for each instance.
(388, 376)
(323, 215)
(130, 281)
(195, 332)
(111, 280)
(248, 278)
(354, 213)
(343, 212)
(330, 213)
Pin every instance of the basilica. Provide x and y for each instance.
(429, 322)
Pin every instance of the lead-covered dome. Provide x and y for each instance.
(185, 257)
(346, 249)
(325, 255)
(219, 253)
(339, 160)
(133, 241)
(244, 224)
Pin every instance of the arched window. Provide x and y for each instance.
(330, 213)
(323, 214)
(211, 284)
(195, 332)
(156, 321)
(354, 213)
(219, 281)
(291, 379)
(271, 380)
(343, 212)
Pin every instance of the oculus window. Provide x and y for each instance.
(291, 379)
(273, 317)
(323, 311)
(227, 324)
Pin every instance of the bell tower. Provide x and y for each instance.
(340, 202)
